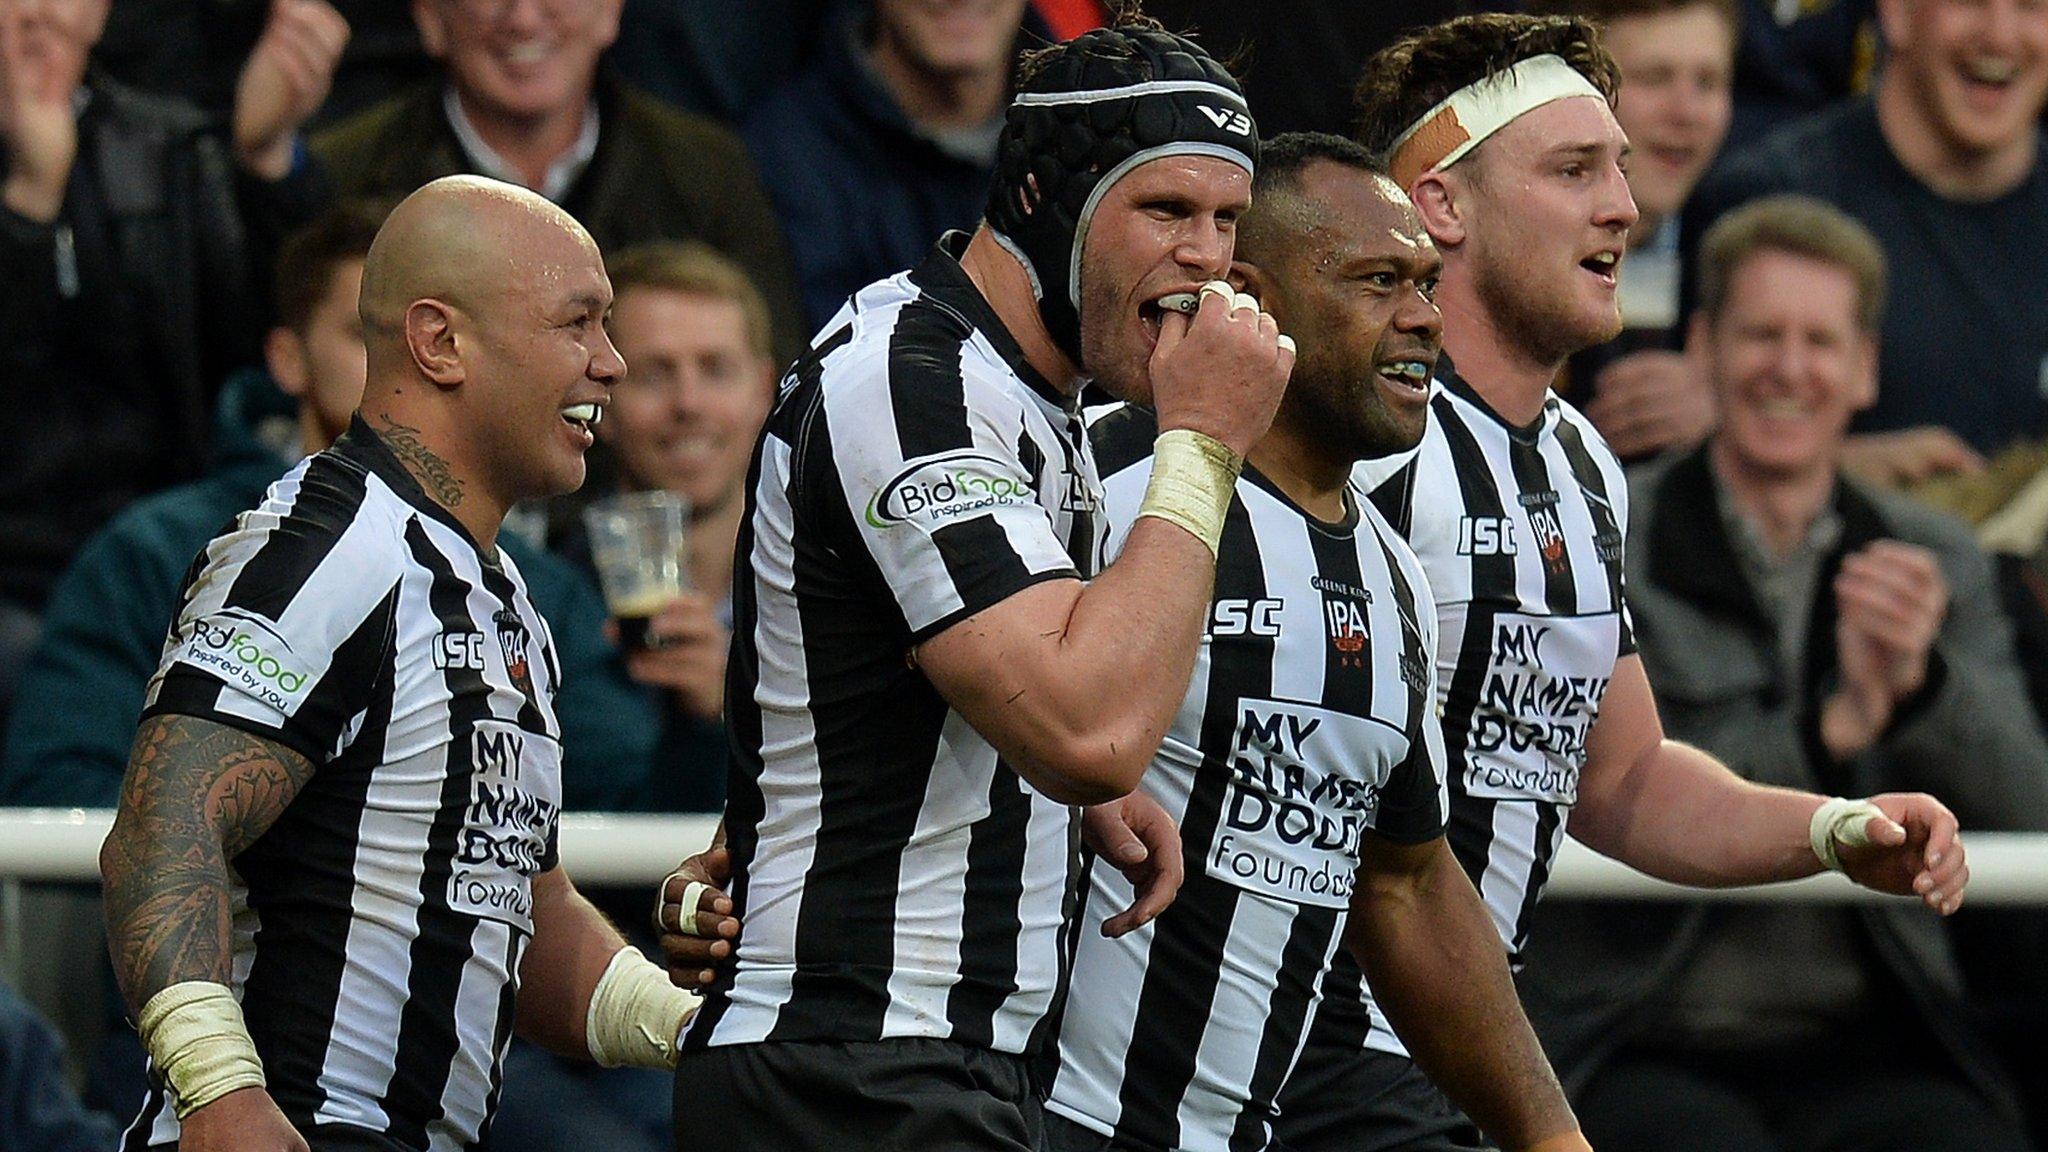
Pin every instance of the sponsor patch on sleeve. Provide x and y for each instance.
(250, 655)
(939, 489)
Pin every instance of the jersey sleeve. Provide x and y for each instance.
(284, 631)
(933, 473)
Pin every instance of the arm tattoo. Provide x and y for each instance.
(197, 794)
(430, 470)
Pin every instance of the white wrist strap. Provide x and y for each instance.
(1839, 824)
(1193, 479)
(195, 1036)
(636, 1014)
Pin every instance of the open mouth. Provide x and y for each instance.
(583, 417)
(1603, 264)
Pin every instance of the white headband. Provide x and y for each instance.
(1468, 116)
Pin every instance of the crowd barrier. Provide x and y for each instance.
(62, 844)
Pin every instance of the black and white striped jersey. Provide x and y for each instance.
(1521, 530)
(379, 924)
(894, 877)
(1309, 721)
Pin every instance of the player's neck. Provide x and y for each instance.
(1003, 282)
(1309, 478)
(1512, 379)
(1781, 507)
(1945, 167)
(440, 472)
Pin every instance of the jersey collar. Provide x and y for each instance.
(1533, 432)
(941, 278)
(362, 444)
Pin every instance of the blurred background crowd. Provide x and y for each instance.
(191, 186)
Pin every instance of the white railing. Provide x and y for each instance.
(62, 844)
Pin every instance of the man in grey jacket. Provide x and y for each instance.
(1817, 633)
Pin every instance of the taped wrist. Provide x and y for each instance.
(635, 1014)
(195, 1036)
(1193, 476)
(1839, 824)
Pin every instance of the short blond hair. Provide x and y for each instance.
(693, 269)
(1797, 226)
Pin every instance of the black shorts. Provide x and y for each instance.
(831, 1096)
(1364, 1100)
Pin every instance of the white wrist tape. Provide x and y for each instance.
(635, 1014)
(194, 1034)
(1193, 477)
(1839, 824)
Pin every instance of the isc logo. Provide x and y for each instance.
(1486, 536)
(1246, 618)
(1228, 119)
(459, 650)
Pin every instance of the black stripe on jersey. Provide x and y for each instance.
(1607, 531)
(872, 776)
(1122, 438)
(1414, 775)
(1081, 542)
(989, 927)
(1186, 957)
(1395, 497)
(1308, 941)
(1347, 672)
(293, 991)
(427, 1036)
(925, 391)
(1547, 817)
(1539, 495)
(331, 491)
(1493, 582)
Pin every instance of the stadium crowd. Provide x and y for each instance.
(1829, 386)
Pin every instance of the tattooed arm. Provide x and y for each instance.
(197, 793)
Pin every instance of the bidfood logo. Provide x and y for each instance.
(945, 488)
(249, 656)
(246, 650)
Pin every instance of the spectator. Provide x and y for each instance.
(1799, 57)
(131, 235)
(1943, 163)
(1818, 633)
(1675, 58)
(193, 50)
(526, 101)
(714, 56)
(83, 686)
(886, 139)
(42, 1113)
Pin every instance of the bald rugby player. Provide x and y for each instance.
(332, 888)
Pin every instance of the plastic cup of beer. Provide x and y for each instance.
(637, 541)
